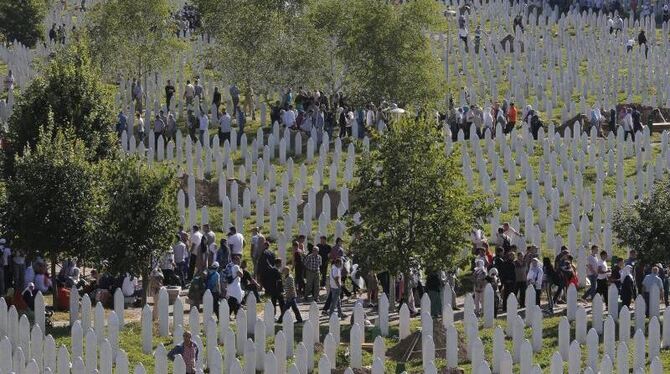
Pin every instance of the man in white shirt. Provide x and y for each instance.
(196, 238)
(603, 274)
(129, 285)
(189, 93)
(225, 123)
(168, 265)
(335, 281)
(628, 124)
(203, 125)
(180, 258)
(235, 242)
(592, 272)
(289, 117)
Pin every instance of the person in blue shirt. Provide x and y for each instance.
(213, 284)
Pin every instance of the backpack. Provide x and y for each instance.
(203, 244)
(228, 275)
(197, 288)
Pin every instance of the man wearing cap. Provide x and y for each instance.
(213, 284)
(235, 241)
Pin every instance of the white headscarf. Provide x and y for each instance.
(626, 272)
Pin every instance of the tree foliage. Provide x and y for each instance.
(140, 215)
(261, 43)
(72, 96)
(415, 211)
(133, 37)
(21, 20)
(644, 225)
(52, 202)
(383, 49)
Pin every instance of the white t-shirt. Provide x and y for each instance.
(289, 118)
(602, 266)
(594, 262)
(128, 286)
(236, 242)
(196, 238)
(234, 289)
(224, 123)
(167, 261)
(335, 272)
(203, 123)
(179, 252)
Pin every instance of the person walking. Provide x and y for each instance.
(324, 251)
(225, 123)
(534, 279)
(169, 93)
(312, 264)
(290, 296)
(335, 287)
(592, 273)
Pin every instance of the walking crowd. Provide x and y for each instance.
(509, 270)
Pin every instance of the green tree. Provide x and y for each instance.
(645, 225)
(262, 44)
(133, 37)
(415, 209)
(140, 216)
(71, 93)
(22, 20)
(52, 205)
(382, 49)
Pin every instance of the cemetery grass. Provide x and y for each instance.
(562, 224)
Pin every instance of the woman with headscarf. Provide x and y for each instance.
(628, 292)
(479, 280)
(488, 121)
(534, 278)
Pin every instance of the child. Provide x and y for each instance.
(289, 295)
(249, 284)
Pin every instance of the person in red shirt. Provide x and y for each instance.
(511, 117)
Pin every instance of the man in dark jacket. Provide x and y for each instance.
(507, 277)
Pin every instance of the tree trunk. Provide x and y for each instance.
(54, 259)
(391, 292)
